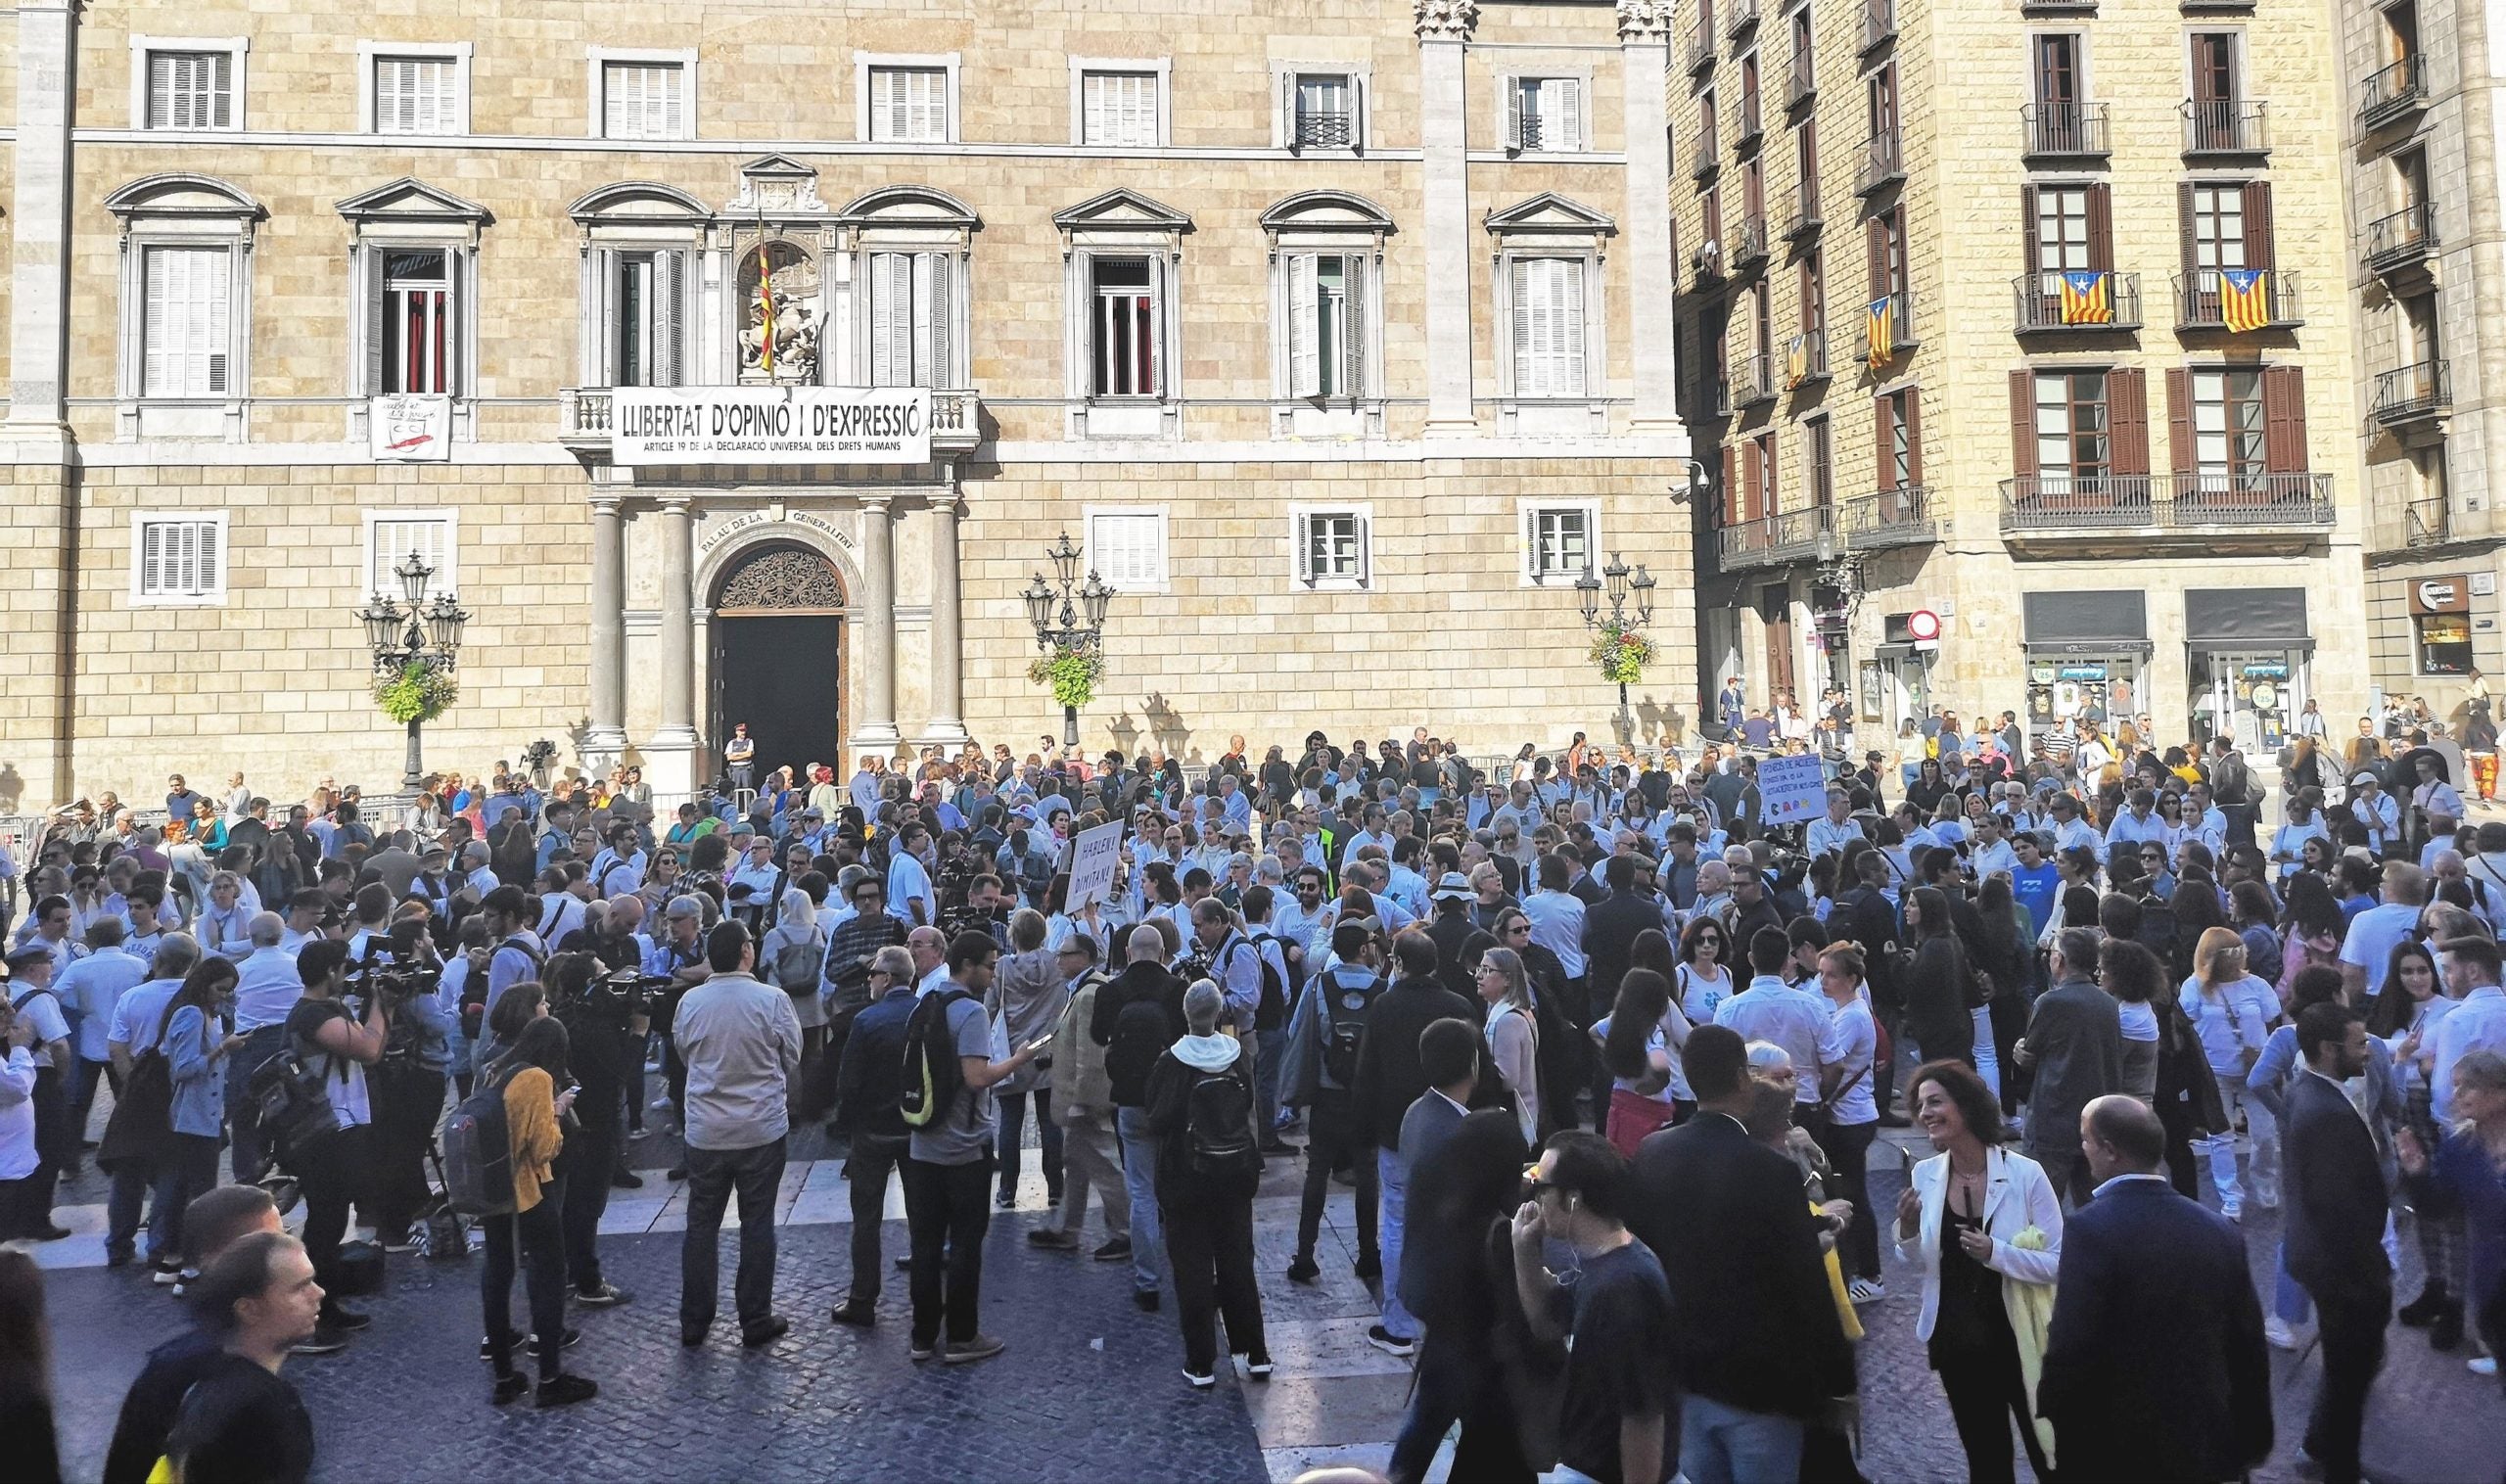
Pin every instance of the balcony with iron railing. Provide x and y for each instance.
(2419, 392)
(1705, 156)
(2392, 91)
(1324, 128)
(2085, 304)
(1753, 381)
(2063, 130)
(1878, 22)
(1800, 81)
(2403, 238)
(2427, 522)
(1700, 42)
(1739, 16)
(2202, 300)
(2226, 126)
(1748, 244)
(1898, 517)
(586, 419)
(1773, 540)
(2090, 505)
(1752, 123)
(1801, 211)
(1883, 161)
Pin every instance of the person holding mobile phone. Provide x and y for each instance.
(528, 1077)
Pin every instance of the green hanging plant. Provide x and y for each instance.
(1072, 672)
(1621, 654)
(416, 692)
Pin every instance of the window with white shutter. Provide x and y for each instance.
(912, 321)
(643, 99)
(392, 537)
(1558, 541)
(1124, 327)
(1118, 110)
(186, 336)
(909, 104)
(178, 558)
(1549, 326)
(1128, 548)
(1332, 547)
(1326, 333)
(1545, 113)
(417, 95)
(648, 318)
(191, 90)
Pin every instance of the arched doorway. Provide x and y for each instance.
(777, 652)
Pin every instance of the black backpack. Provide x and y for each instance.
(1344, 1025)
(474, 989)
(1142, 1033)
(932, 1076)
(1270, 1012)
(1218, 1125)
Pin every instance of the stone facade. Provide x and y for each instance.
(1964, 516)
(593, 584)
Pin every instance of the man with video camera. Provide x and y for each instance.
(603, 1014)
(408, 1082)
(336, 1045)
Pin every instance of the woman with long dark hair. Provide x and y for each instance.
(1935, 983)
(192, 1036)
(1638, 1048)
(530, 1077)
(2009, 955)
(2405, 1013)
(25, 1372)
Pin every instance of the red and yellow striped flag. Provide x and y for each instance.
(766, 302)
(2086, 299)
(2245, 299)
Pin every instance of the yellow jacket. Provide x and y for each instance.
(532, 1133)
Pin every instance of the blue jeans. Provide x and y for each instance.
(1269, 1051)
(189, 1168)
(712, 1174)
(1392, 1179)
(1139, 1182)
(1720, 1444)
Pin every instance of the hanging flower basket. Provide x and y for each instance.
(1621, 655)
(1072, 673)
(416, 693)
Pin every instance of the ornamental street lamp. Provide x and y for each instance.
(1070, 626)
(1622, 581)
(419, 635)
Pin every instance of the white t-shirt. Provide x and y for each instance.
(1860, 1035)
(2231, 1020)
(2373, 933)
(2140, 1021)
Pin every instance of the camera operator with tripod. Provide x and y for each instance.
(336, 1045)
(605, 1024)
(403, 970)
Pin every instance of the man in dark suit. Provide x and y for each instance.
(2334, 1237)
(2156, 1369)
(1391, 1076)
(2074, 1044)
(1758, 1349)
(1610, 936)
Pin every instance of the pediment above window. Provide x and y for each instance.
(180, 195)
(1551, 212)
(910, 205)
(637, 202)
(410, 208)
(1326, 210)
(776, 184)
(1122, 210)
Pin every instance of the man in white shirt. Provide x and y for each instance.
(1796, 1020)
(2367, 951)
(1829, 834)
(2477, 1022)
(1558, 915)
(1989, 855)
(909, 896)
(2375, 808)
(930, 949)
(266, 986)
(2070, 831)
(2138, 824)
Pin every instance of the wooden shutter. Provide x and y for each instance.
(1365, 550)
(2023, 424)
(1752, 478)
(1569, 300)
(1301, 537)
(152, 558)
(2283, 420)
(1287, 110)
(1569, 94)
(395, 103)
(1353, 324)
(892, 318)
(1731, 486)
(2186, 252)
(2101, 231)
(2179, 420)
(2127, 421)
(1914, 435)
(1875, 239)
(2027, 235)
(1305, 370)
(1513, 114)
(1356, 111)
(1092, 108)
(159, 106)
(2257, 225)
(1527, 358)
(930, 317)
(377, 312)
(1881, 418)
(156, 316)
(670, 317)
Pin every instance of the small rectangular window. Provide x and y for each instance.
(1545, 113)
(1559, 542)
(1123, 331)
(1118, 110)
(909, 105)
(417, 95)
(643, 99)
(1332, 547)
(1326, 115)
(178, 559)
(187, 335)
(1127, 549)
(2444, 643)
(392, 540)
(191, 90)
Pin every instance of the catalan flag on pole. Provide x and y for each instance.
(1882, 333)
(2245, 299)
(2087, 299)
(1796, 361)
(766, 302)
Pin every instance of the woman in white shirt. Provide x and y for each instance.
(2405, 1013)
(1514, 1035)
(1962, 1217)
(2304, 823)
(2232, 1011)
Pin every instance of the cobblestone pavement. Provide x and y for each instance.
(1090, 1387)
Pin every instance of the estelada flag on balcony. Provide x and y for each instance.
(2086, 300)
(1882, 334)
(1796, 361)
(2245, 299)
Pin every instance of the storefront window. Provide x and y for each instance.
(2444, 643)
(2077, 690)
(2248, 696)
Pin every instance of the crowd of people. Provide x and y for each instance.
(1605, 1059)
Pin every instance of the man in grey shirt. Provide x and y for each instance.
(741, 1043)
(948, 1167)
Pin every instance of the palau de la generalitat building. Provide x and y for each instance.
(739, 362)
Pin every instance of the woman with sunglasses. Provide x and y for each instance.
(2155, 875)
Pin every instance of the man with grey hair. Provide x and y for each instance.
(1201, 1110)
(267, 988)
(870, 1082)
(2075, 1042)
(134, 1021)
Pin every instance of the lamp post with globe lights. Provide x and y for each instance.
(1070, 631)
(1619, 646)
(416, 646)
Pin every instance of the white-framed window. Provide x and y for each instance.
(1125, 329)
(1327, 324)
(1549, 326)
(392, 535)
(186, 331)
(643, 94)
(2228, 434)
(187, 82)
(909, 100)
(178, 558)
(1545, 114)
(1321, 109)
(649, 325)
(1118, 104)
(1559, 540)
(912, 319)
(417, 321)
(1332, 547)
(415, 89)
(1127, 546)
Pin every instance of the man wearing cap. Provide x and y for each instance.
(34, 1004)
(2375, 808)
(2435, 807)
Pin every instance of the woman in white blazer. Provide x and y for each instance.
(1961, 1217)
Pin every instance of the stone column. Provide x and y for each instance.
(605, 737)
(47, 38)
(948, 658)
(1644, 45)
(1444, 107)
(874, 651)
(670, 755)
